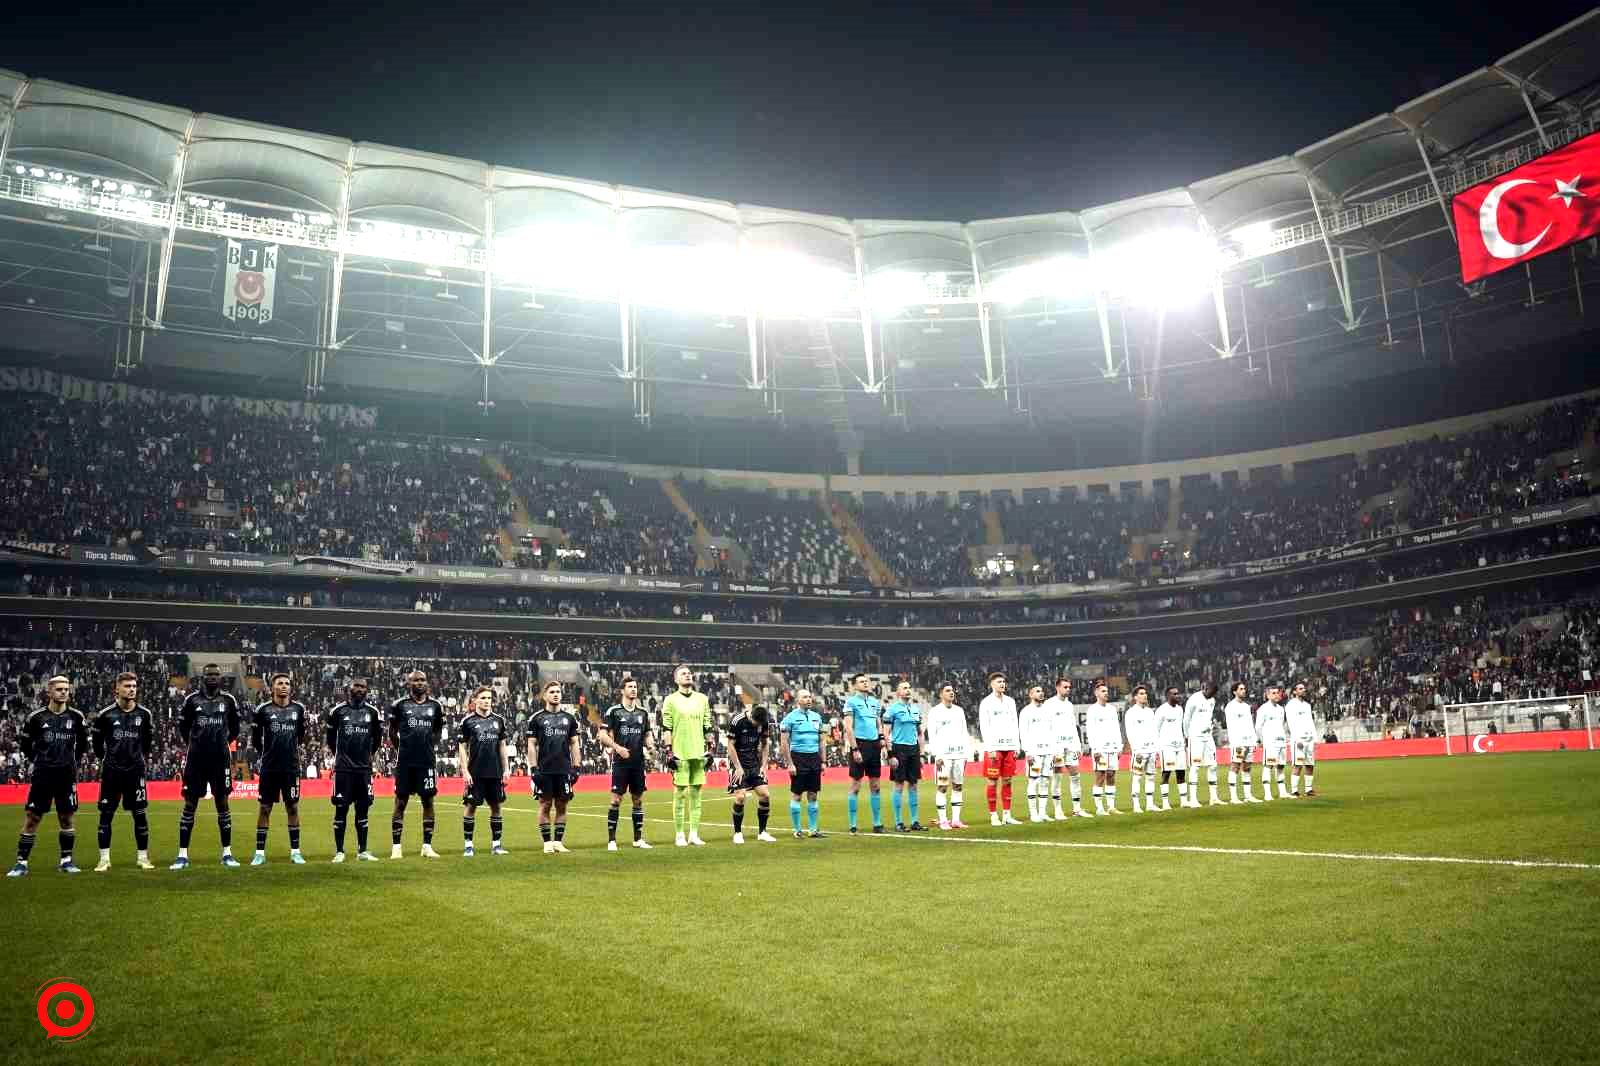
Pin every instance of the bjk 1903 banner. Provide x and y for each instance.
(1545, 204)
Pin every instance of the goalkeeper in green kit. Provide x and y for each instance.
(686, 726)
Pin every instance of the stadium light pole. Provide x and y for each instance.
(1341, 282)
(179, 167)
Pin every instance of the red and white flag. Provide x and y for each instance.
(1545, 204)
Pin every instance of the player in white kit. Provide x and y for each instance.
(1069, 749)
(1240, 720)
(1302, 738)
(1038, 731)
(1272, 727)
(1169, 739)
(1105, 743)
(1202, 745)
(950, 744)
(1139, 722)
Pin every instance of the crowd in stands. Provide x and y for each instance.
(78, 473)
(786, 540)
(926, 543)
(164, 477)
(614, 522)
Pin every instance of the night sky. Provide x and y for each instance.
(934, 112)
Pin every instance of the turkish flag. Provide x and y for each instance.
(1545, 204)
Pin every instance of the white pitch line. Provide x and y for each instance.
(1198, 849)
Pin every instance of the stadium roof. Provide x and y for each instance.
(458, 266)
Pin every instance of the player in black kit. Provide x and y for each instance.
(553, 760)
(209, 723)
(486, 762)
(416, 722)
(277, 729)
(622, 732)
(353, 734)
(54, 737)
(124, 733)
(749, 745)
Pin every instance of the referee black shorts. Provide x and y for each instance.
(871, 764)
(807, 773)
(908, 765)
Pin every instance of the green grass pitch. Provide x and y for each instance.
(870, 949)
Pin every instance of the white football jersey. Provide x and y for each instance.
(1169, 726)
(1270, 724)
(1065, 717)
(947, 732)
(1038, 728)
(1241, 724)
(1197, 714)
(1105, 730)
(1140, 724)
(1302, 726)
(997, 723)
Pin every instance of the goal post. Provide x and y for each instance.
(1465, 723)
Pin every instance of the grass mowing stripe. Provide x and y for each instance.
(1199, 849)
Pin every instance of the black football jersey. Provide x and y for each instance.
(209, 725)
(353, 733)
(415, 726)
(747, 736)
(55, 741)
(629, 728)
(552, 733)
(482, 734)
(123, 739)
(276, 733)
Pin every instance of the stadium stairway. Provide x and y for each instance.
(707, 545)
(508, 537)
(878, 571)
(994, 534)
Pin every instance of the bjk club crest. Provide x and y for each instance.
(249, 283)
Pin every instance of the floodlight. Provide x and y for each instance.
(22, 170)
(556, 257)
(890, 290)
(686, 277)
(1060, 277)
(1165, 268)
(37, 172)
(782, 283)
(1254, 238)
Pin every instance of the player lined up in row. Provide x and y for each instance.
(1044, 736)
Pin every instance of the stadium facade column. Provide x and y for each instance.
(865, 309)
(174, 212)
(488, 358)
(1544, 141)
(752, 322)
(1337, 265)
(342, 220)
(989, 381)
(11, 120)
(1103, 311)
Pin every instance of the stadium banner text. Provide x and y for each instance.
(449, 787)
(88, 390)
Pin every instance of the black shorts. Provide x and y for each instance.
(628, 776)
(481, 790)
(278, 785)
(871, 764)
(746, 781)
(418, 779)
(807, 773)
(197, 777)
(909, 768)
(547, 785)
(56, 787)
(126, 787)
(352, 786)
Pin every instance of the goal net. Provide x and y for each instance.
(1465, 723)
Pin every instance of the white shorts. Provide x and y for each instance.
(1172, 757)
(1272, 749)
(1243, 752)
(950, 770)
(1305, 751)
(1040, 765)
(1072, 748)
(1143, 761)
(1107, 760)
(1203, 750)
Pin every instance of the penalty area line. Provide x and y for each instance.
(1291, 853)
